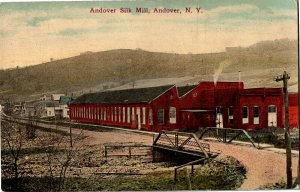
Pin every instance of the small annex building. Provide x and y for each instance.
(224, 105)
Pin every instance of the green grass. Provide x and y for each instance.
(155, 181)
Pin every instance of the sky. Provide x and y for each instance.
(33, 32)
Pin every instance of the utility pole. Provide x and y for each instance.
(0, 115)
(285, 77)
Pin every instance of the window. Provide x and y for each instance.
(160, 116)
(120, 114)
(123, 115)
(230, 115)
(255, 115)
(132, 113)
(172, 115)
(144, 115)
(272, 116)
(116, 114)
(104, 114)
(128, 114)
(218, 110)
(272, 109)
(245, 115)
(150, 117)
(89, 113)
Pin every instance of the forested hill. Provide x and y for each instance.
(123, 66)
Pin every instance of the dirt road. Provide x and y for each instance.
(262, 166)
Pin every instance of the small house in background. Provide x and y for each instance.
(44, 109)
(45, 98)
(50, 107)
(56, 97)
(19, 108)
(64, 101)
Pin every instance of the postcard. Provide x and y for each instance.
(154, 95)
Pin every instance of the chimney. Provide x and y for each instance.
(240, 76)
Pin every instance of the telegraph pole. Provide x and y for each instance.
(285, 77)
(0, 115)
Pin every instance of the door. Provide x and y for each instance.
(138, 117)
(272, 116)
(219, 117)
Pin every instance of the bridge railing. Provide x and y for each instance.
(227, 135)
(181, 141)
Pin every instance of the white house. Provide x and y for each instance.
(63, 105)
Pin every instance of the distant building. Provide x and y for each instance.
(44, 109)
(56, 97)
(50, 106)
(19, 108)
(64, 101)
(45, 98)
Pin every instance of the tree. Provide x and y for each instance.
(13, 136)
(60, 154)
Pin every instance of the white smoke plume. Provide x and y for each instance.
(222, 65)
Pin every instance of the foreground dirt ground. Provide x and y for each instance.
(263, 167)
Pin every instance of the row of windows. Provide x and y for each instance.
(122, 114)
(245, 113)
(115, 114)
(271, 109)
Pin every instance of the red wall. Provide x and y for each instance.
(294, 110)
(263, 102)
(205, 96)
(165, 101)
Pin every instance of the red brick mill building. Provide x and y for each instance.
(224, 104)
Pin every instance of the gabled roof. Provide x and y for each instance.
(49, 104)
(185, 89)
(141, 95)
(64, 100)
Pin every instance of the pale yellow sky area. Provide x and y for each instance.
(34, 36)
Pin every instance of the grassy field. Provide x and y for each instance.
(213, 180)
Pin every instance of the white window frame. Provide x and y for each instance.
(172, 115)
(158, 116)
(128, 114)
(150, 116)
(255, 119)
(120, 115)
(124, 110)
(245, 120)
(144, 115)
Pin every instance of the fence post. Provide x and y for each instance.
(105, 151)
(176, 140)
(192, 170)
(129, 152)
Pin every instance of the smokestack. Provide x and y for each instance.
(240, 76)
